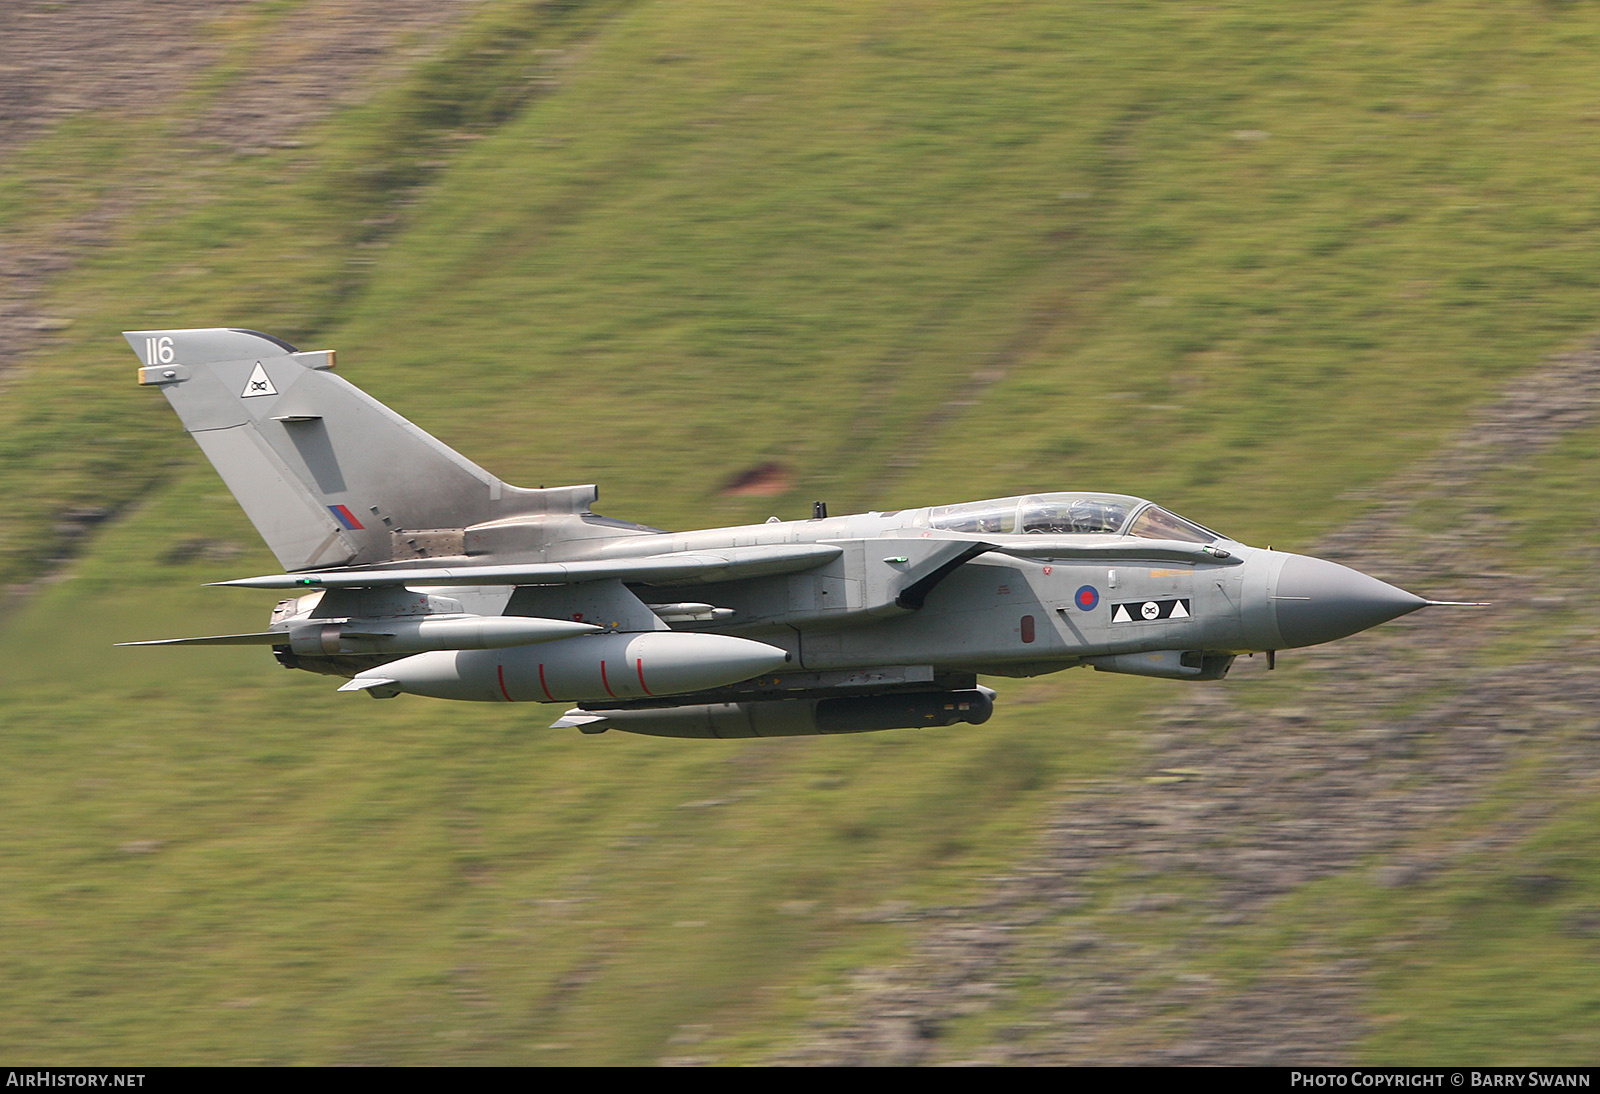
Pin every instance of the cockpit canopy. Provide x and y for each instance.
(1069, 514)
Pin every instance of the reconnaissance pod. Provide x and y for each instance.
(419, 572)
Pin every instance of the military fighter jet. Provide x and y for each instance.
(419, 572)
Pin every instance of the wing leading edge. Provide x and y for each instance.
(690, 568)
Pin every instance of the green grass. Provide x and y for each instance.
(1515, 933)
(1488, 963)
(1246, 260)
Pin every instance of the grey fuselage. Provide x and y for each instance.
(1011, 605)
(997, 613)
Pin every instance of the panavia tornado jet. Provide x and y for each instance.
(418, 572)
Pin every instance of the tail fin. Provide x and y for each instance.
(327, 474)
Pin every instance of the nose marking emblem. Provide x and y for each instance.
(1150, 611)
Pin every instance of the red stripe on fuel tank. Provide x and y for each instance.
(544, 685)
(603, 682)
(642, 684)
(500, 671)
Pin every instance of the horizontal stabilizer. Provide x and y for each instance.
(690, 568)
(260, 638)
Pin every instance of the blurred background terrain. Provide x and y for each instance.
(1321, 276)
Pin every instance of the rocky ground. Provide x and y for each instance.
(136, 58)
(1396, 732)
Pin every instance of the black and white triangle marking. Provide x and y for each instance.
(258, 384)
(1150, 611)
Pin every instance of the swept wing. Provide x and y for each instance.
(693, 568)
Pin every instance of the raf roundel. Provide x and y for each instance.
(1087, 598)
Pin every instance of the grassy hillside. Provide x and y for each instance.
(1246, 260)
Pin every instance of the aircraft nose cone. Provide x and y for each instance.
(1318, 601)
